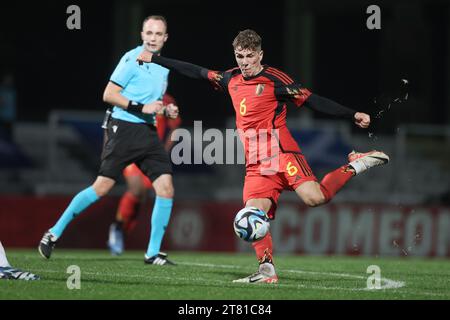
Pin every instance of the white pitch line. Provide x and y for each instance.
(388, 283)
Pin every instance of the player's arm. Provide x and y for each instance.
(185, 68)
(328, 106)
(302, 96)
(113, 96)
(218, 79)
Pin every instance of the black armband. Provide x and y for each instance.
(134, 106)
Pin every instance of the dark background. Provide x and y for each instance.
(57, 68)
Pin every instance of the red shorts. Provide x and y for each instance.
(132, 170)
(293, 170)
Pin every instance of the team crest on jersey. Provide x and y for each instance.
(259, 89)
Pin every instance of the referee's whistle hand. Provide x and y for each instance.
(144, 56)
(154, 107)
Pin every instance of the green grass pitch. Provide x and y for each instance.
(208, 276)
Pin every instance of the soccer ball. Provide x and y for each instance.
(251, 224)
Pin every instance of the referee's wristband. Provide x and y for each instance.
(134, 106)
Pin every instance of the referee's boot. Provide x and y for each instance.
(47, 245)
(159, 259)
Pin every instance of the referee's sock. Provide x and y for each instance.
(160, 219)
(79, 203)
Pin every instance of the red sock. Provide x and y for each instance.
(263, 249)
(128, 210)
(334, 181)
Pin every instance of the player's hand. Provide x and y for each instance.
(154, 107)
(144, 56)
(362, 120)
(172, 111)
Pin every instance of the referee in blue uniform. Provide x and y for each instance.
(135, 90)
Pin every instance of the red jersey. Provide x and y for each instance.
(260, 104)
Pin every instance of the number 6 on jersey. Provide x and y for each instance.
(243, 107)
(291, 169)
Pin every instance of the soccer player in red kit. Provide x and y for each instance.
(138, 184)
(260, 95)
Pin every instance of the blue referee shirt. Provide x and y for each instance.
(144, 83)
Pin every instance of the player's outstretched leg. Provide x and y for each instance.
(358, 163)
(266, 271)
(361, 162)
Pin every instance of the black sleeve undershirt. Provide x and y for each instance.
(185, 68)
(328, 106)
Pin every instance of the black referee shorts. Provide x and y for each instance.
(138, 143)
